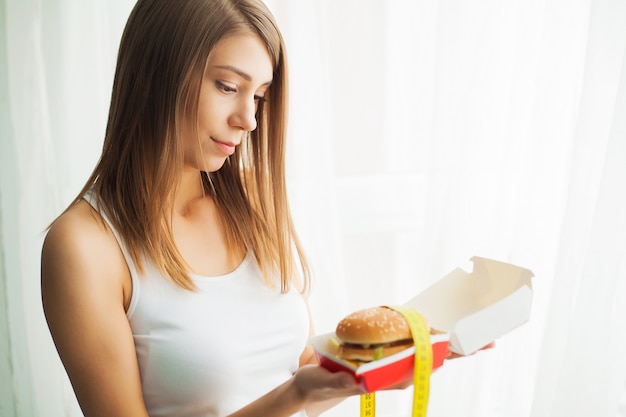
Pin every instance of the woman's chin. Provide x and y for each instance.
(208, 165)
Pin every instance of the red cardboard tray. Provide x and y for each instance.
(382, 373)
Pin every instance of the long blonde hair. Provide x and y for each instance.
(161, 61)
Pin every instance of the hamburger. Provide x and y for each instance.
(371, 334)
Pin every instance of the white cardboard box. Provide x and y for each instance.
(475, 308)
(472, 308)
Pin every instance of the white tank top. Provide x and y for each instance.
(210, 352)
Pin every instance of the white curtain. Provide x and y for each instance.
(57, 61)
(422, 133)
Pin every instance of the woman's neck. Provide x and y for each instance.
(189, 192)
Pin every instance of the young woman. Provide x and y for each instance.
(173, 285)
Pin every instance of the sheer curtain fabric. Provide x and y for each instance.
(421, 134)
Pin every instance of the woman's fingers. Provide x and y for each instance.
(317, 383)
(452, 355)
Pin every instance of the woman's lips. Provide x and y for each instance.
(226, 147)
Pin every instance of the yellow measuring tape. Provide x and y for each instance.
(368, 404)
(422, 369)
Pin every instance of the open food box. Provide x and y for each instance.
(468, 310)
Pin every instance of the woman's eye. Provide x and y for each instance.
(225, 88)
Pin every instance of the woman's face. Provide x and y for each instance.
(238, 75)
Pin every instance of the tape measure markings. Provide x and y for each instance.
(423, 363)
(368, 405)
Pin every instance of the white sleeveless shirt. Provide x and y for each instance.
(209, 352)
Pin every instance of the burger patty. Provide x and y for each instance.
(382, 345)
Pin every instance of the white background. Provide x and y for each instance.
(421, 133)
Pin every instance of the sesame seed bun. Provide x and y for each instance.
(372, 333)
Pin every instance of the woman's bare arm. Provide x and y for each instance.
(85, 284)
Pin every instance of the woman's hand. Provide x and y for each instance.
(312, 388)
(452, 355)
(315, 383)
(321, 389)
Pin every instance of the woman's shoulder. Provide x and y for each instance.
(79, 224)
(80, 247)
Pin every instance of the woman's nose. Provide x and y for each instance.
(244, 116)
